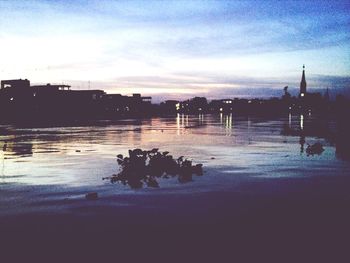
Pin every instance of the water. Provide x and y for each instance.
(258, 185)
(227, 145)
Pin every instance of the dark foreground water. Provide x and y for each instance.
(261, 191)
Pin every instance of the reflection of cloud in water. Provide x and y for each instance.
(85, 154)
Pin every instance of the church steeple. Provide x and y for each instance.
(303, 84)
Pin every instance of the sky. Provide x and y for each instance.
(178, 49)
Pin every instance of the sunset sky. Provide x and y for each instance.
(177, 49)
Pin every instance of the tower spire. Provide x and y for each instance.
(303, 84)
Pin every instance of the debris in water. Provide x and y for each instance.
(316, 148)
(143, 167)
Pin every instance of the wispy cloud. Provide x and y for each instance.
(178, 47)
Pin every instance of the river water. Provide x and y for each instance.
(251, 146)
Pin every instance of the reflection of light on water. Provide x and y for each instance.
(301, 121)
(228, 121)
(55, 160)
(228, 124)
(181, 122)
(178, 124)
(290, 120)
(201, 119)
(3, 163)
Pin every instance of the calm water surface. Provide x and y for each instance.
(252, 147)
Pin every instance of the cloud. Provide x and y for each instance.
(178, 47)
(332, 81)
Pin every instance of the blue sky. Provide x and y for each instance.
(177, 49)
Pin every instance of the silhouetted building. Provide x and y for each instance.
(170, 106)
(309, 102)
(20, 101)
(15, 83)
(194, 105)
(48, 87)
